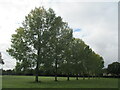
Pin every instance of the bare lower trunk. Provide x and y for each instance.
(36, 77)
(68, 77)
(83, 77)
(88, 77)
(37, 67)
(38, 58)
(76, 76)
(56, 70)
(56, 78)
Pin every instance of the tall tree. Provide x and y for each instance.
(95, 64)
(67, 62)
(76, 52)
(40, 39)
(85, 60)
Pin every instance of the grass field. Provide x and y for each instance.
(48, 82)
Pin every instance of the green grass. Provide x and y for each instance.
(48, 82)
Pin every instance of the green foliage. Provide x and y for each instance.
(86, 61)
(114, 68)
(45, 42)
(40, 41)
(79, 59)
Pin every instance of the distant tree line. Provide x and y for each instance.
(45, 45)
(113, 70)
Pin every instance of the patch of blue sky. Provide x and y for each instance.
(77, 30)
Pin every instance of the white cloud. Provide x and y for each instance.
(99, 24)
(97, 21)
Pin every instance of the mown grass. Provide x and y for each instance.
(48, 82)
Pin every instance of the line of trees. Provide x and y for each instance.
(45, 42)
(113, 70)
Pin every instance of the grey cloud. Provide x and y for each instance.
(98, 22)
(8, 60)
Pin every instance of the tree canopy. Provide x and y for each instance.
(114, 68)
(45, 41)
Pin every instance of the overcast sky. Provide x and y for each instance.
(94, 22)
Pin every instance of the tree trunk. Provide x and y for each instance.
(56, 77)
(37, 69)
(92, 76)
(38, 57)
(88, 77)
(68, 77)
(36, 77)
(56, 70)
(76, 76)
(83, 78)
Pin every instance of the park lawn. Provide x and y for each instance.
(48, 82)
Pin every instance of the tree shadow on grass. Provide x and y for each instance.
(45, 82)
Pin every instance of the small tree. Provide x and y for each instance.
(1, 60)
(114, 68)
